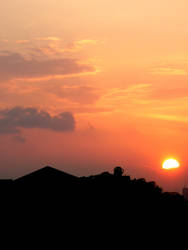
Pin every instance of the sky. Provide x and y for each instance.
(89, 85)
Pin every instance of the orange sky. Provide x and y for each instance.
(120, 71)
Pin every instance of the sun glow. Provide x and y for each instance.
(170, 164)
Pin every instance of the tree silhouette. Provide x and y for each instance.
(118, 171)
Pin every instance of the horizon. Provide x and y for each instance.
(96, 173)
(86, 86)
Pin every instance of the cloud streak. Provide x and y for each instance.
(15, 66)
(168, 71)
(169, 93)
(49, 38)
(13, 120)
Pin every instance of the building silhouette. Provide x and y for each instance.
(185, 193)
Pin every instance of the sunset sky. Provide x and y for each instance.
(88, 85)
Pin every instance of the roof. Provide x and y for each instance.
(46, 174)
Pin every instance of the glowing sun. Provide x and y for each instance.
(170, 164)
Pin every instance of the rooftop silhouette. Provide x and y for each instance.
(45, 175)
(102, 193)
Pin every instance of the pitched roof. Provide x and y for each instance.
(46, 174)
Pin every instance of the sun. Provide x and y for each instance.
(170, 164)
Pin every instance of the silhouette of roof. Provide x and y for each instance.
(46, 174)
(5, 182)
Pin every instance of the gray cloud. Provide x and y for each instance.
(12, 120)
(14, 65)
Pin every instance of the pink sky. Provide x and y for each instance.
(86, 86)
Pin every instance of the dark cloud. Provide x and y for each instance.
(14, 65)
(12, 120)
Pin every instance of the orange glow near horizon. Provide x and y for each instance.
(170, 164)
(118, 67)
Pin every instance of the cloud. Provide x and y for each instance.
(86, 41)
(77, 94)
(4, 40)
(166, 117)
(49, 38)
(81, 94)
(169, 93)
(15, 66)
(168, 71)
(12, 120)
(80, 44)
(54, 46)
(22, 41)
(132, 94)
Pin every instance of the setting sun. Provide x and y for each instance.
(170, 164)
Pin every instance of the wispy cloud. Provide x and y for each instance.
(134, 90)
(22, 41)
(167, 117)
(167, 71)
(80, 44)
(81, 94)
(49, 38)
(168, 93)
(4, 40)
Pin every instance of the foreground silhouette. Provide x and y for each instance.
(94, 208)
(103, 192)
